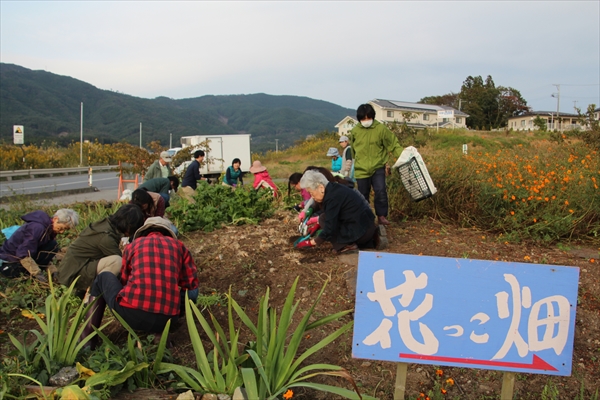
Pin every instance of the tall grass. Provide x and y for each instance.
(537, 190)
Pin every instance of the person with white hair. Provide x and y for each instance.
(33, 245)
(347, 221)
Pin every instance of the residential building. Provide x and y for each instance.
(345, 126)
(565, 122)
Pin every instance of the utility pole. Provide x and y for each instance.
(276, 145)
(81, 136)
(141, 135)
(558, 105)
(170, 140)
(575, 105)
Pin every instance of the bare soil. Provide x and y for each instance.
(251, 258)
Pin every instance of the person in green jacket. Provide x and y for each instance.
(371, 143)
(162, 186)
(97, 247)
(160, 168)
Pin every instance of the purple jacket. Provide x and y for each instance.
(25, 242)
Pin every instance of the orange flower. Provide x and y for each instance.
(288, 395)
(512, 213)
(566, 202)
(439, 372)
(450, 381)
(527, 258)
(535, 220)
(571, 211)
(444, 391)
(592, 260)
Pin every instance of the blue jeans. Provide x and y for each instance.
(377, 181)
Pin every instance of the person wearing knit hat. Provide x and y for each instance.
(336, 160)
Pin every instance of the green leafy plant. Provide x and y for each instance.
(216, 205)
(58, 342)
(218, 372)
(276, 362)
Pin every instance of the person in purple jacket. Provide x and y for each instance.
(34, 244)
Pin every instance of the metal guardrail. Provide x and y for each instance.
(32, 173)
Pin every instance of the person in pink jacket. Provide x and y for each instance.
(262, 177)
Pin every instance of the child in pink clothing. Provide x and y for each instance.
(294, 181)
(262, 177)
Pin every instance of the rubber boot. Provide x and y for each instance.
(94, 317)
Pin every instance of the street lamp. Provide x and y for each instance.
(551, 120)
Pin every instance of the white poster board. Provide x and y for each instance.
(18, 134)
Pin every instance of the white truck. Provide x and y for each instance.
(220, 152)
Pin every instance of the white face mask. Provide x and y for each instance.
(367, 123)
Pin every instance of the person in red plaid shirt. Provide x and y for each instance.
(157, 269)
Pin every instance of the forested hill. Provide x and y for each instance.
(48, 105)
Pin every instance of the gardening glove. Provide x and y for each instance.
(312, 229)
(312, 221)
(301, 216)
(30, 265)
(304, 244)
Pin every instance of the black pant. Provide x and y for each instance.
(108, 286)
(43, 257)
(377, 180)
(365, 241)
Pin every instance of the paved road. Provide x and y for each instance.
(101, 180)
(106, 182)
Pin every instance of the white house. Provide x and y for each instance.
(345, 126)
(564, 122)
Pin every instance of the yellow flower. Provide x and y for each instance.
(288, 395)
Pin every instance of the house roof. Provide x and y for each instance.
(545, 114)
(346, 118)
(403, 105)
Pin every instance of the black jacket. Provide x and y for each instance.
(347, 215)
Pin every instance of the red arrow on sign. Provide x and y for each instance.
(537, 363)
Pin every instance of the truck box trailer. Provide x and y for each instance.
(220, 151)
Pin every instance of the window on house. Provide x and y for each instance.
(523, 123)
(458, 120)
(390, 114)
(425, 117)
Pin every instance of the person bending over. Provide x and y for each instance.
(97, 247)
(347, 221)
(33, 245)
(157, 269)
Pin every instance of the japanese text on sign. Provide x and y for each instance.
(460, 312)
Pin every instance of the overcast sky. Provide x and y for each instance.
(343, 52)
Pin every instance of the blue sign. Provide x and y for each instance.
(465, 313)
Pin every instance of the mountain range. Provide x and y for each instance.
(49, 108)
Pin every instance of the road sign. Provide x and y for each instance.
(18, 134)
(445, 113)
(465, 313)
